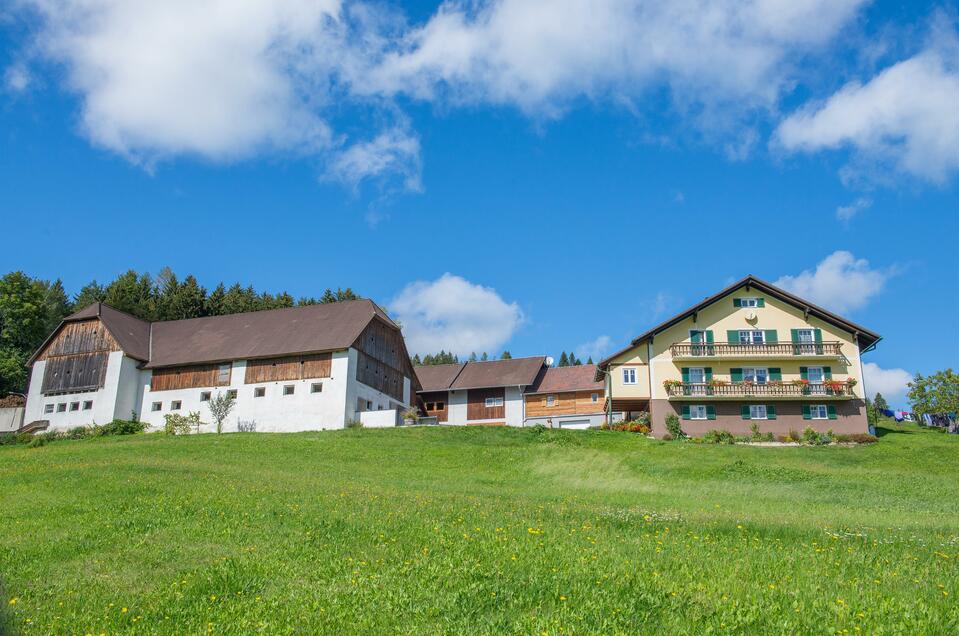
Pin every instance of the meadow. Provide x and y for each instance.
(474, 531)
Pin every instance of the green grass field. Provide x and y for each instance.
(479, 531)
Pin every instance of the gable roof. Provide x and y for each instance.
(262, 334)
(864, 337)
(481, 375)
(131, 333)
(565, 379)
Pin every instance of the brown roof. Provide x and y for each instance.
(131, 333)
(261, 334)
(438, 377)
(515, 372)
(565, 379)
(864, 337)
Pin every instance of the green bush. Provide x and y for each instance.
(759, 436)
(354, 423)
(856, 438)
(673, 426)
(176, 424)
(719, 437)
(813, 438)
(122, 427)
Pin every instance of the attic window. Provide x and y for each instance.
(550, 400)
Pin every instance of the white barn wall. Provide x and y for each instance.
(457, 407)
(105, 400)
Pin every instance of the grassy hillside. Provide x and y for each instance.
(479, 531)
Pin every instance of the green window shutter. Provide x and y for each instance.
(817, 334)
(771, 336)
(795, 336)
(685, 375)
(736, 374)
(831, 409)
(745, 412)
(732, 336)
(770, 411)
(709, 373)
(685, 411)
(760, 302)
(775, 374)
(827, 373)
(804, 373)
(696, 337)
(710, 412)
(737, 302)
(709, 337)
(806, 413)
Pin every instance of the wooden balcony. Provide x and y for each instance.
(771, 350)
(770, 390)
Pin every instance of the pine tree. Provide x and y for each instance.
(167, 288)
(484, 357)
(880, 403)
(214, 302)
(282, 300)
(590, 360)
(416, 360)
(90, 293)
(133, 293)
(190, 300)
(506, 356)
(473, 357)
(56, 303)
(563, 360)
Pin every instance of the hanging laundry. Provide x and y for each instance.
(886, 413)
(898, 416)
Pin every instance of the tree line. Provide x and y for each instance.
(31, 308)
(448, 357)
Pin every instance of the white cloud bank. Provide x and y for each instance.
(905, 117)
(890, 382)
(453, 314)
(224, 80)
(840, 282)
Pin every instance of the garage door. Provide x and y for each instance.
(574, 424)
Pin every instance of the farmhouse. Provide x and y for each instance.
(751, 354)
(301, 368)
(566, 397)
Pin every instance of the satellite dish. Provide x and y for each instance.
(751, 315)
(549, 361)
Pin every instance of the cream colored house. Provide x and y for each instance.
(751, 354)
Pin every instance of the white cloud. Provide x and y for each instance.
(16, 79)
(840, 282)
(890, 382)
(905, 117)
(594, 349)
(453, 314)
(541, 55)
(846, 212)
(394, 152)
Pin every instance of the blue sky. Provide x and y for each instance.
(498, 176)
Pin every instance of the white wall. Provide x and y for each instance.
(121, 371)
(380, 419)
(514, 406)
(11, 419)
(457, 407)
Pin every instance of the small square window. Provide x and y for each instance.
(316, 387)
(550, 400)
(204, 396)
(48, 408)
(757, 411)
(232, 393)
(175, 405)
(87, 405)
(288, 389)
(594, 397)
(156, 406)
(259, 391)
(62, 407)
(440, 406)
(697, 412)
(819, 412)
(74, 406)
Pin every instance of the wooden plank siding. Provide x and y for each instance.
(88, 336)
(382, 360)
(436, 399)
(319, 365)
(192, 377)
(476, 408)
(569, 403)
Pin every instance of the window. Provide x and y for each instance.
(223, 373)
(697, 375)
(757, 412)
(492, 402)
(748, 302)
(259, 391)
(369, 405)
(48, 408)
(807, 341)
(751, 336)
(288, 389)
(550, 400)
(231, 393)
(755, 375)
(594, 397)
(175, 405)
(815, 375)
(819, 412)
(204, 396)
(697, 412)
(316, 387)
(629, 376)
(87, 405)
(156, 406)
(74, 406)
(62, 407)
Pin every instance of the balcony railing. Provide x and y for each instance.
(769, 349)
(767, 390)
